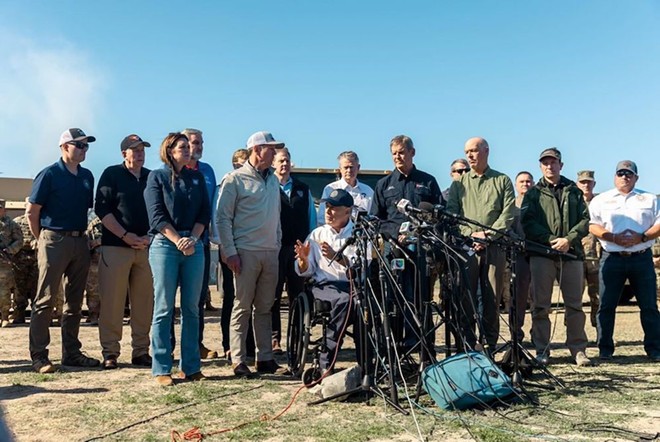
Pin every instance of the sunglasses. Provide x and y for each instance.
(460, 171)
(79, 144)
(626, 173)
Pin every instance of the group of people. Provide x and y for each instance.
(157, 226)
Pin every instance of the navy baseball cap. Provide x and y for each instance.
(339, 198)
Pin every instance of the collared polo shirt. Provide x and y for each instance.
(64, 197)
(616, 212)
(121, 194)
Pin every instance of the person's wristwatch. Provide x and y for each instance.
(644, 238)
(194, 238)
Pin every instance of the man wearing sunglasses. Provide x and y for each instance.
(626, 220)
(57, 213)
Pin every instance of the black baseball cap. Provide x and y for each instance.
(132, 141)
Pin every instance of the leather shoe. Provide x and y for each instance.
(164, 380)
(110, 363)
(80, 360)
(242, 370)
(43, 366)
(142, 360)
(196, 377)
(205, 353)
(270, 366)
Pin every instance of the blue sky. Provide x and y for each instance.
(331, 76)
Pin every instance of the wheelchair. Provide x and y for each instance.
(305, 312)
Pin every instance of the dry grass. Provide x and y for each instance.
(598, 403)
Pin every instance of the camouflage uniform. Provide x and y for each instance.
(11, 241)
(656, 262)
(94, 229)
(591, 266)
(26, 271)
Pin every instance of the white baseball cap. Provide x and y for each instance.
(263, 138)
(75, 134)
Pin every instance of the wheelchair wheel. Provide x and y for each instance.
(299, 331)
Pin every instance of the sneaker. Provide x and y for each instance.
(142, 360)
(205, 353)
(582, 360)
(242, 370)
(196, 377)
(542, 359)
(269, 367)
(43, 366)
(277, 349)
(80, 360)
(164, 380)
(110, 363)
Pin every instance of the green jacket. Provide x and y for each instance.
(544, 220)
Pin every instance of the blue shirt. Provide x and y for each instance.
(181, 206)
(64, 197)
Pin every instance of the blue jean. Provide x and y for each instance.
(638, 269)
(171, 269)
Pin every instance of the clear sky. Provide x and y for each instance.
(328, 76)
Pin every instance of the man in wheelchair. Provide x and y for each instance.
(316, 259)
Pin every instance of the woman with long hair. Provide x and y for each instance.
(179, 210)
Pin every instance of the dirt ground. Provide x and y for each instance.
(612, 401)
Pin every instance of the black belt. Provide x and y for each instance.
(628, 254)
(73, 233)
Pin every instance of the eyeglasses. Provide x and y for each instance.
(79, 144)
(626, 173)
(461, 171)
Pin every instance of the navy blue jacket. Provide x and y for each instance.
(182, 206)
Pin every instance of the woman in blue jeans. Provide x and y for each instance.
(179, 210)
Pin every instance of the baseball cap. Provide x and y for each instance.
(262, 138)
(626, 165)
(339, 198)
(585, 175)
(75, 134)
(132, 141)
(550, 152)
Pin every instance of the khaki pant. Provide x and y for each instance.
(59, 255)
(570, 276)
(124, 270)
(255, 292)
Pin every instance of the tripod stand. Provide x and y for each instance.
(516, 357)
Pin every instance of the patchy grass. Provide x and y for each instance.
(614, 400)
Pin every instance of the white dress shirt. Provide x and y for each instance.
(318, 265)
(362, 196)
(616, 212)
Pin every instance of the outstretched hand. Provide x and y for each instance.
(302, 250)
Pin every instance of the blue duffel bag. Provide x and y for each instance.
(465, 380)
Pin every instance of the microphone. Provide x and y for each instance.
(404, 206)
(349, 242)
(387, 237)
